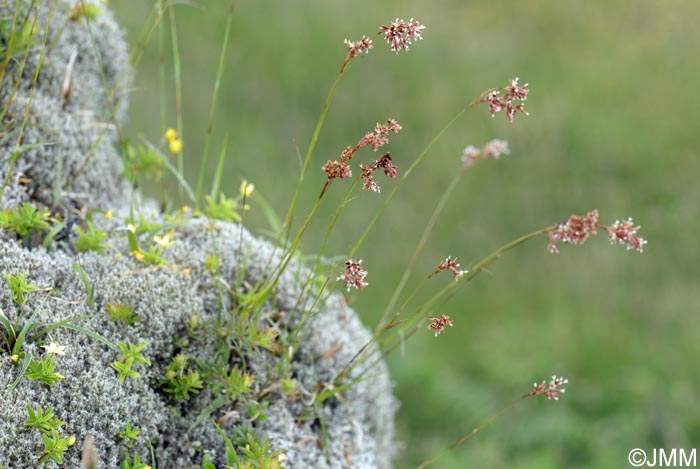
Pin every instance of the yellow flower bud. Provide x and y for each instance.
(108, 215)
(170, 134)
(247, 188)
(175, 145)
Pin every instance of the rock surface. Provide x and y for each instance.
(70, 147)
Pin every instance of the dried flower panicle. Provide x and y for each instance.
(354, 275)
(512, 100)
(437, 325)
(575, 230)
(340, 169)
(451, 265)
(400, 34)
(493, 149)
(551, 389)
(624, 232)
(383, 162)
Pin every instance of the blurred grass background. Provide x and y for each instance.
(613, 125)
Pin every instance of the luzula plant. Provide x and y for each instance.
(222, 350)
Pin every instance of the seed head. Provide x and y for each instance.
(512, 100)
(624, 232)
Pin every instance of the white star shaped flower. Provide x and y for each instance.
(54, 348)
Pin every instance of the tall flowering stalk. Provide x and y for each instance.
(551, 390)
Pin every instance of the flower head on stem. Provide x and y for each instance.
(383, 162)
(451, 265)
(400, 34)
(438, 325)
(511, 100)
(493, 149)
(551, 389)
(575, 230)
(354, 275)
(624, 232)
(340, 169)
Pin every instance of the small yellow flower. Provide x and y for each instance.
(281, 457)
(247, 188)
(71, 440)
(14, 358)
(184, 209)
(170, 134)
(246, 207)
(138, 255)
(108, 215)
(164, 241)
(131, 227)
(185, 272)
(175, 145)
(54, 348)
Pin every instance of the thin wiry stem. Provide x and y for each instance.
(214, 99)
(466, 437)
(31, 96)
(178, 91)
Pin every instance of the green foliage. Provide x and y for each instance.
(82, 9)
(151, 257)
(89, 287)
(131, 435)
(25, 219)
(54, 446)
(91, 240)
(179, 382)
(141, 161)
(225, 209)
(266, 339)
(136, 464)
(123, 313)
(14, 42)
(20, 288)
(44, 421)
(212, 264)
(43, 371)
(238, 383)
(129, 356)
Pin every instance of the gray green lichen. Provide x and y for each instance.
(90, 400)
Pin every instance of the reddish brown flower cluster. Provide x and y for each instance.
(551, 389)
(384, 162)
(375, 139)
(451, 265)
(575, 230)
(354, 275)
(498, 102)
(437, 325)
(624, 232)
(401, 34)
(357, 47)
(493, 149)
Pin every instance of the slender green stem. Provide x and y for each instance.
(466, 437)
(214, 99)
(419, 248)
(137, 52)
(161, 69)
(31, 96)
(177, 72)
(412, 324)
(417, 161)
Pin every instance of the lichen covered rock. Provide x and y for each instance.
(69, 147)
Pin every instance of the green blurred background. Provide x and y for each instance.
(613, 125)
